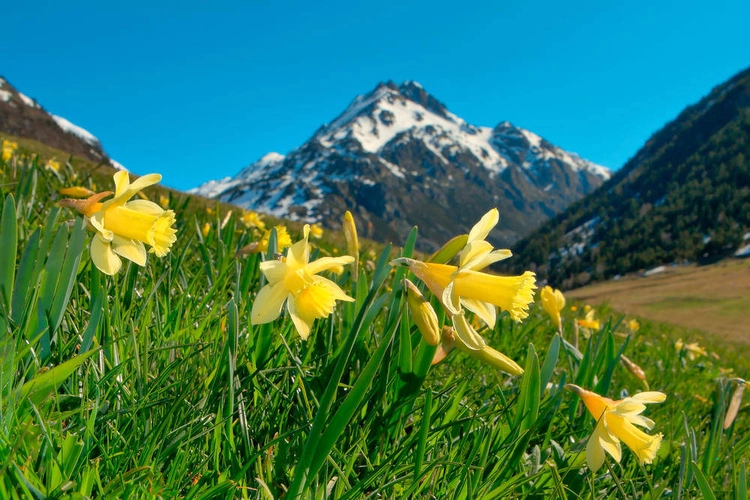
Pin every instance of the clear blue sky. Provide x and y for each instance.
(197, 90)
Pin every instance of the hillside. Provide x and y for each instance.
(685, 196)
(396, 157)
(22, 116)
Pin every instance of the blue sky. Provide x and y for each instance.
(197, 90)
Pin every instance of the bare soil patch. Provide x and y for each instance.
(713, 298)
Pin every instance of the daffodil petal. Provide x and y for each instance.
(325, 263)
(145, 207)
(484, 310)
(103, 257)
(473, 252)
(482, 228)
(607, 441)
(490, 258)
(303, 325)
(268, 303)
(122, 182)
(274, 270)
(649, 397)
(298, 254)
(141, 183)
(467, 334)
(98, 223)
(332, 288)
(594, 452)
(132, 250)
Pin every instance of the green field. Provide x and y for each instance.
(154, 383)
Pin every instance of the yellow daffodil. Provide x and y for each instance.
(283, 240)
(422, 313)
(164, 201)
(295, 281)
(316, 231)
(616, 421)
(206, 229)
(468, 287)
(692, 350)
(253, 220)
(77, 192)
(53, 165)
(8, 149)
(589, 322)
(574, 308)
(124, 226)
(633, 325)
(553, 301)
(352, 242)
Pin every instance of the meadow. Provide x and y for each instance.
(159, 381)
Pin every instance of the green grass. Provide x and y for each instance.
(153, 383)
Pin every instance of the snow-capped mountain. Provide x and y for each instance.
(22, 116)
(396, 157)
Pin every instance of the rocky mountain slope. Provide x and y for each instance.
(22, 116)
(396, 157)
(684, 196)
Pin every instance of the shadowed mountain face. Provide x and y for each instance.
(684, 196)
(396, 158)
(22, 116)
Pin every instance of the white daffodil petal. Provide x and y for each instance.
(133, 250)
(268, 303)
(103, 257)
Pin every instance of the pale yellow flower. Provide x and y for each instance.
(8, 149)
(553, 301)
(295, 281)
(616, 421)
(164, 201)
(124, 226)
(206, 229)
(283, 240)
(633, 325)
(471, 289)
(590, 322)
(253, 219)
(316, 231)
(53, 165)
(692, 350)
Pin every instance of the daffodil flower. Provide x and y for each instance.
(553, 301)
(589, 322)
(692, 350)
(123, 226)
(283, 240)
(253, 219)
(295, 280)
(316, 231)
(616, 422)
(8, 149)
(485, 354)
(471, 289)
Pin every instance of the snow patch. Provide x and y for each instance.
(655, 270)
(743, 251)
(28, 101)
(71, 128)
(117, 165)
(5, 95)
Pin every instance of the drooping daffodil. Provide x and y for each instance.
(123, 227)
(616, 422)
(295, 280)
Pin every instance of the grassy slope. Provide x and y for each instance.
(184, 398)
(711, 298)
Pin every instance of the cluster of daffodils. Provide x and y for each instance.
(465, 288)
(124, 227)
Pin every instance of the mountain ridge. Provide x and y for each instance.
(396, 157)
